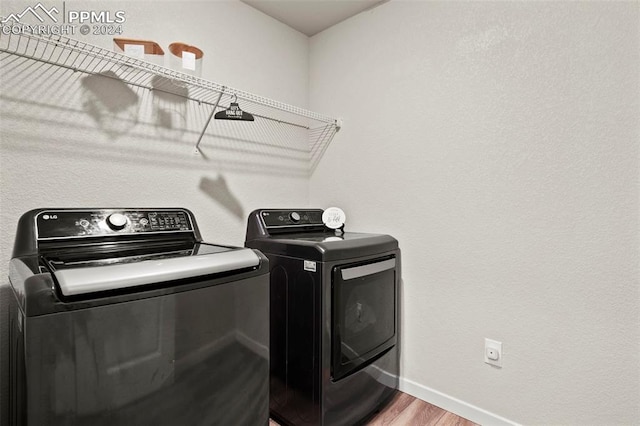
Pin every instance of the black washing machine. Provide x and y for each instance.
(126, 317)
(334, 345)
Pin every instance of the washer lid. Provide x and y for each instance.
(81, 278)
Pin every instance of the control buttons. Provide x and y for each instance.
(168, 222)
(294, 216)
(116, 221)
(84, 223)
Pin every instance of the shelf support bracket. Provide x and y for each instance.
(204, 129)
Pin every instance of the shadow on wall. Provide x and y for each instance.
(321, 136)
(111, 103)
(67, 114)
(219, 191)
(170, 105)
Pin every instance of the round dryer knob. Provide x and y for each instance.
(294, 216)
(116, 221)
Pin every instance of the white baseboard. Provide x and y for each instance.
(454, 405)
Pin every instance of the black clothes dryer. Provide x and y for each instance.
(334, 318)
(126, 317)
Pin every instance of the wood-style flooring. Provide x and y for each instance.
(405, 410)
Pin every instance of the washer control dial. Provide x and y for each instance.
(294, 216)
(116, 221)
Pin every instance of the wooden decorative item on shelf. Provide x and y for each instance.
(150, 47)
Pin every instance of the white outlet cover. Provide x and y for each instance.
(493, 352)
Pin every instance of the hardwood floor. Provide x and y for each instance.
(405, 410)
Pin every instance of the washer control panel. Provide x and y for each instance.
(89, 223)
(280, 218)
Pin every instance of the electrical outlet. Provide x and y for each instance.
(493, 352)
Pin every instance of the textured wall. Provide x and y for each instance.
(68, 140)
(498, 141)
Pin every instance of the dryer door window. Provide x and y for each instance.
(364, 314)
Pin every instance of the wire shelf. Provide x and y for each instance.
(83, 57)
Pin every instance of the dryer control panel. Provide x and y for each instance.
(52, 224)
(281, 218)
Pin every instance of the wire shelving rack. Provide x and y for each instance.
(79, 56)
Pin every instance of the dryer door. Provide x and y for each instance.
(364, 314)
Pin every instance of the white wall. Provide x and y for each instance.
(498, 141)
(61, 145)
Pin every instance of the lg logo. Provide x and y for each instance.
(49, 216)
